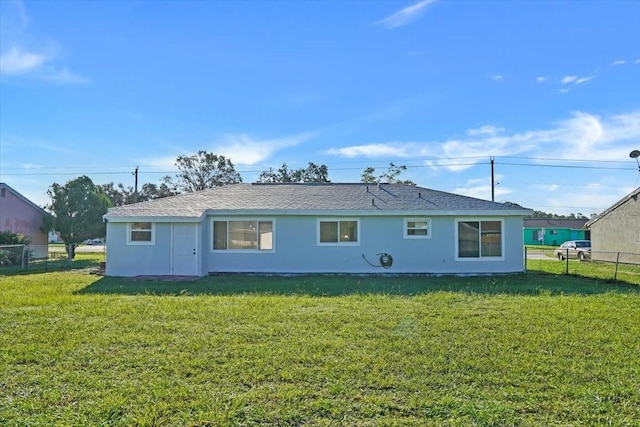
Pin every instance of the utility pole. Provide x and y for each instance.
(493, 185)
(135, 191)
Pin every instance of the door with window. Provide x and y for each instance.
(184, 257)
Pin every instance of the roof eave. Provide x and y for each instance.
(370, 212)
(323, 212)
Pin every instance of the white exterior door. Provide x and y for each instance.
(184, 258)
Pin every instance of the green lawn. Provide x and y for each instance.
(539, 349)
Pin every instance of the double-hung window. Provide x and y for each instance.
(338, 232)
(231, 235)
(479, 239)
(141, 233)
(417, 228)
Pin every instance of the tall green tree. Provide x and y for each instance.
(152, 191)
(203, 170)
(390, 176)
(368, 176)
(120, 195)
(77, 208)
(312, 173)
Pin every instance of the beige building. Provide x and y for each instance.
(615, 233)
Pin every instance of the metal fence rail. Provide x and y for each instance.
(598, 264)
(13, 256)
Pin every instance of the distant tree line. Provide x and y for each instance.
(546, 215)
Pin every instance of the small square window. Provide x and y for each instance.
(417, 228)
(141, 233)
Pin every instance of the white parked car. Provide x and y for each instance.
(579, 249)
(93, 242)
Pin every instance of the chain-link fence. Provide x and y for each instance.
(624, 266)
(21, 258)
(13, 257)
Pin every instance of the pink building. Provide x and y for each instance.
(21, 215)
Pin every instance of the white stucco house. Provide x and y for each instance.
(315, 228)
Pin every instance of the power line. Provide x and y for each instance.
(566, 166)
(571, 185)
(367, 162)
(438, 163)
(65, 173)
(549, 159)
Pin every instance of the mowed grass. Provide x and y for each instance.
(625, 273)
(77, 349)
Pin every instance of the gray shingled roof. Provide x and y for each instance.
(309, 197)
(555, 223)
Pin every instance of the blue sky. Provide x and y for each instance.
(551, 90)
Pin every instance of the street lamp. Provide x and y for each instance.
(634, 155)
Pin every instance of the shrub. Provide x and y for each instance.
(13, 238)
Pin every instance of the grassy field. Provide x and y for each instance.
(525, 350)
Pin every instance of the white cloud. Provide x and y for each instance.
(166, 163)
(589, 137)
(13, 20)
(24, 52)
(622, 127)
(541, 79)
(64, 76)
(497, 77)
(481, 188)
(242, 149)
(577, 81)
(18, 61)
(589, 200)
(583, 80)
(405, 16)
(548, 187)
(582, 136)
(30, 166)
(485, 130)
(372, 150)
(637, 61)
(619, 62)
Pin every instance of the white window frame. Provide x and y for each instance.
(338, 243)
(480, 257)
(258, 220)
(414, 236)
(130, 229)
